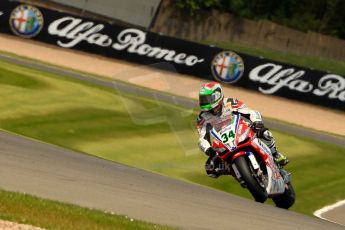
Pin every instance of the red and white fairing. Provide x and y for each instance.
(236, 139)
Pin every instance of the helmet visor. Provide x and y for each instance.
(207, 99)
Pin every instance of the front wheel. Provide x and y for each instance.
(287, 199)
(248, 175)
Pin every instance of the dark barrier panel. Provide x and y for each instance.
(131, 44)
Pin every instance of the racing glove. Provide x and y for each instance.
(210, 152)
(258, 127)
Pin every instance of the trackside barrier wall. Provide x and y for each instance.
(136, 12)
(134, 45)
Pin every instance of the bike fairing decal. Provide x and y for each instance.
(235, 131)
(276, 183)
(262, 146)
(215, 134)
(274, 186)
(237, 123)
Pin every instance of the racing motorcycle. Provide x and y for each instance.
(250, 162)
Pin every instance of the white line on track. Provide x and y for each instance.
(320, 212)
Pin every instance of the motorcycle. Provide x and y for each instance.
(249, 160)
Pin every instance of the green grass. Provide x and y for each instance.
(148, 134)
(49, 214)
(318, 63)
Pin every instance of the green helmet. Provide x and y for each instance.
(210, 96)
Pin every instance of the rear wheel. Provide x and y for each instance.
(248, 175)
(287, 199)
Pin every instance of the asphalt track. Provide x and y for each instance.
(51, 172)
(59, 174)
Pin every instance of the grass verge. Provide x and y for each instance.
(147, 134)
(318, 63)
(49, 214)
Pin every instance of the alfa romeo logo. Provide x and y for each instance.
(227, 67)
(26, 21)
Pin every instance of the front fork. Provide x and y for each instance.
(254, 166)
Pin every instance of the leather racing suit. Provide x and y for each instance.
(206, 121)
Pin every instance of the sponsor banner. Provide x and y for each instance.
(135, 45)
(72, 32)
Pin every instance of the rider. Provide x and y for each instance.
(215, 109)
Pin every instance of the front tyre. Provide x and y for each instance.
(248, 175)
(287, 199)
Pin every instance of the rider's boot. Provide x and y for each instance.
(278, 157)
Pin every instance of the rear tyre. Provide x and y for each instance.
(248, 175)
(287, 199)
